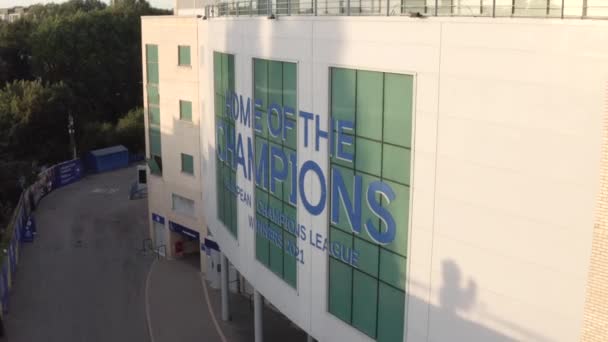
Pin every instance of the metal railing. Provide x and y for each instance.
(584, 9)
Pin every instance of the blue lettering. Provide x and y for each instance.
(307, 117)
(276, 153)
(245, 113)
(319, 133)
(385, 216)
(312, 166)
(344, 139)
(340, 196)
(275, 109)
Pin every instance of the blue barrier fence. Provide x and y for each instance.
(22, 226)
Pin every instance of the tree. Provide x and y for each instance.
(130, 131)
(15, 52)
(33, 121)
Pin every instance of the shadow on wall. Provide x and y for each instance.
(457, 297)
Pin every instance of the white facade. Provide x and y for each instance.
(506, 162)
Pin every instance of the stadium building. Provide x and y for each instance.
(383, 170)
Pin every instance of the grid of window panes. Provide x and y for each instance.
(223, 81)
(275, 82)
(371, 296)
(155, 159)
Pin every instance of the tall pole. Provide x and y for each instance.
(257, 317)
(71, 132)
(225, 289)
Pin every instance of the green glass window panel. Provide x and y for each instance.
(368, 256)
(154, 115)
(369, 156)
(290, 262)
(260, 72)
(290, 212)
(261, 200)
(218, 106)
(290, 85)
(348, 176)
(185, 110)
(392, 268)
(291, 136)
(276, 205)
(279, 165)
(345, 149)
(287, 184)
(275, 117)
(217, 72)
(366, 212)
(398, 97)
(154, 135)
(184, 55)
(365, 303)
(152, 72)
(369, 104)
(399, 209)
(230, 75)
(154, 168)
(276, 253)
(336, 235)
(153, 96)
(275, 83)
(225, 73)
(187, 163)
(391, 314)
(340, 289)
(151, 53)
(343, 82)
(262, 251)
(396, 163)
(262, 123)
(260, 146)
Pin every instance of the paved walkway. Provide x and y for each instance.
(179, 311)
(82, 278)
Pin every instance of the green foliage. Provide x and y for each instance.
(131, 131)
(81, 58)
(33, 121)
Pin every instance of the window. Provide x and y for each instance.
(187, 164)
(183, 52)
(275, 83)
(225, 174)
(183, 205)
(153, 102)
(185, 110)
(371, 297)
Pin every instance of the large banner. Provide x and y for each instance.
(67, 173)
(55, 177)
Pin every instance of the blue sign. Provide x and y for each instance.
(191, 234)
(157, 218)
(67, 172)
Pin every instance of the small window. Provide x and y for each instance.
(185, 110)
(183, 205)
(187, 164)
(184, 55)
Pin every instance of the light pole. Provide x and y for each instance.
(71, 131)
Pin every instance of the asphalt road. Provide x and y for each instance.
(83, 279)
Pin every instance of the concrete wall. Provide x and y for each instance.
(177, 136)
(508, 117)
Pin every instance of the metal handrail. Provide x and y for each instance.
(158, 248)
(465, 8)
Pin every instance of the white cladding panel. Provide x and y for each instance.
(505, 165)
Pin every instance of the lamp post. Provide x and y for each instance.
(71, 131)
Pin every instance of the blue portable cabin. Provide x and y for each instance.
(107, 159)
